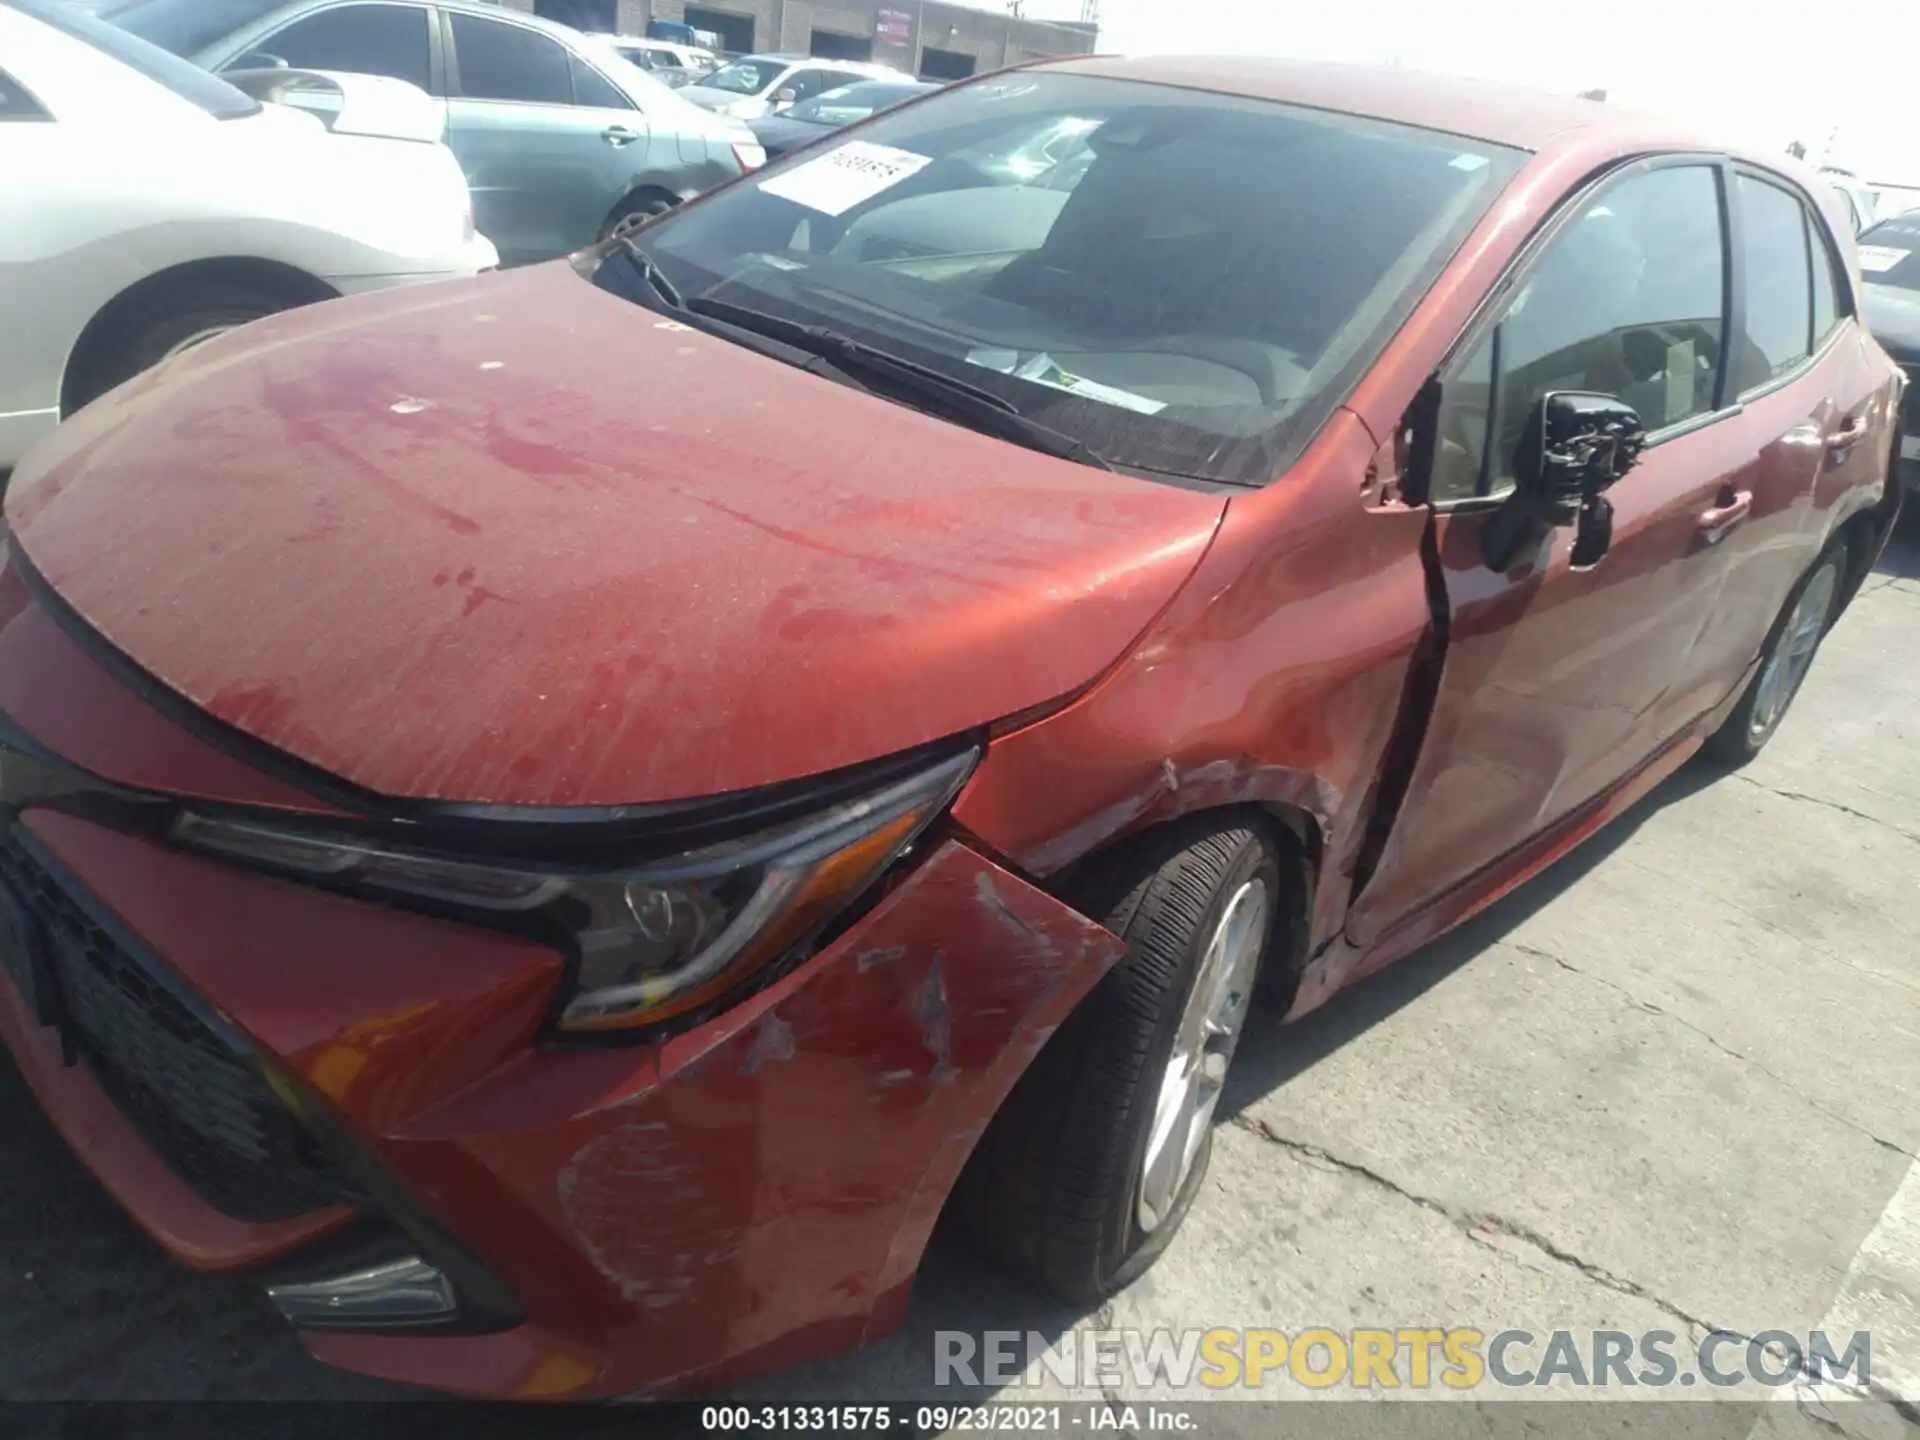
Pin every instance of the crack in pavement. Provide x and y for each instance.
(1477, 1225)
(1805, 1402)
(1725, 1049)
(1774, 927)
(1826, 804)
(1813, 1389)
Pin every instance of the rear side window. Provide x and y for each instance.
(1773, 250)
(16, 103)
(499, 61)
(185, 27)
(1826, 282)
(1628, 300)
(590, 87)
(192, 84)
(367, 39)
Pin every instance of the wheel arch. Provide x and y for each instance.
(274, 277)
(1865, 532)
(1298, 838)
(651, 188)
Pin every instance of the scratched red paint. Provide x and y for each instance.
(634, 563)
(522, 590)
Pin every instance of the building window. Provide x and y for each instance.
(946, 64)
(735, 31)
(829, 45)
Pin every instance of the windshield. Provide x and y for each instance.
(186, 27)
(853, 102)
(746, 77)
(1890, 252)
(188, 81)
(1186, 283)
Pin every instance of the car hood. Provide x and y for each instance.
(1893, 315)
(517, 541)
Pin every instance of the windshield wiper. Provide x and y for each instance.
(650, 272)
(908, 378)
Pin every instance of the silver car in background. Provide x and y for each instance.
(756, 85)
(562, 141)
(669, 63)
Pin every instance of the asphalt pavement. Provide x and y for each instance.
(1674, 1083)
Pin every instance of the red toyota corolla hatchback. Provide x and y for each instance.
(562, 820)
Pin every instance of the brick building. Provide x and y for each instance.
(925, 37)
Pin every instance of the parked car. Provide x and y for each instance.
(1861, 201)
(757, 85)
(828, 111)
(667, 62)
(561, 142)
(567, 818)
(236, 209)
(1890, 302)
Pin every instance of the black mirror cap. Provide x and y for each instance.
(1576, 444)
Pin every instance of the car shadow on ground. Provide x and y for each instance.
(1901, 559)
(89, 1308)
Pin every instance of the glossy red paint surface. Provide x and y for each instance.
(347, 533)
(666, 1214)
(60, 694)
(446, 544)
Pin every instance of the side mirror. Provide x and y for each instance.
(786, 95)
(1576, 445)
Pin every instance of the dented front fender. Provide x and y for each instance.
(761, 1189)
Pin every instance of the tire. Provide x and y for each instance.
(178, 318)
(1056, 1191)
(1785, 659)
(634, 212)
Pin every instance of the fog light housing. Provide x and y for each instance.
(406, 1291)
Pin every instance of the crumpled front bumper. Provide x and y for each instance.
(754, 1192)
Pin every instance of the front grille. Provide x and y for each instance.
(177, 1072)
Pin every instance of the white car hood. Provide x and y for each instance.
(348, 104)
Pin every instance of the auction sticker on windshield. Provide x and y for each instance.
(846, 176)
(1043, 369)
(1878, 259)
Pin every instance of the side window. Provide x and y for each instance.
(1629, 300)
(806, 84)
(590, 87)
(1773, 250)
(502, 61)
(369, 39)
(16, 103)
(1827, 284)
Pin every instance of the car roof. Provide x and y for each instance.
(1513, 115)
(789, 58)
(496, 11)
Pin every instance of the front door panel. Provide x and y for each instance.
(1555, 682)
(1554, 678)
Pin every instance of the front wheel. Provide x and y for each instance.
(1784, 664)
(1094, 1160)
(634, 214)
(168, 324)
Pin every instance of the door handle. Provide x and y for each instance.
(1847, 436)
(1716, 524)
(619, 135)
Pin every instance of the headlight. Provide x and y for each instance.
(653, 941)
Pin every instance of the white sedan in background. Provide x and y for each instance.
(150, 205)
